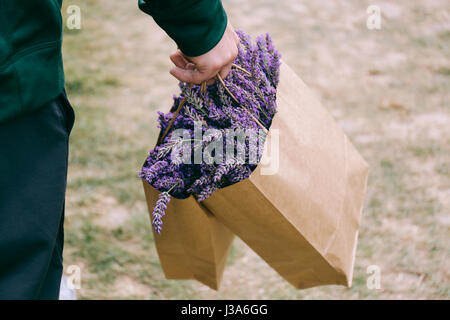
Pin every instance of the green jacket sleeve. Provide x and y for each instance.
(195, 25)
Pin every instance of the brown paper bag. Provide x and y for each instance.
(192, 244)
(302, 220)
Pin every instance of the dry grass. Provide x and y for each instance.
(388, 89)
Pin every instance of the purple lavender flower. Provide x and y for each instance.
(222, 169)
(206, 192)
(215, 108)
(160, 210)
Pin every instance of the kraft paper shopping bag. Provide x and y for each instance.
(301, 213)
(192, 244)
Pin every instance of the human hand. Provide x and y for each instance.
(205, 67)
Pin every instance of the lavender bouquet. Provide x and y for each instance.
(189, 158)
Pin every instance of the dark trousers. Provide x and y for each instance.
(33, 174)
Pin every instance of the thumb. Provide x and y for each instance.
(179, 60)
(187, 75)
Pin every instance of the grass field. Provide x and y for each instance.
(388, 89)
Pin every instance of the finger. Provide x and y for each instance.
(225, 71)
(186, 75)
(233, 51)
(236, 37)
(179, 60)
(210, 81)
(223, 74)
(190, 66)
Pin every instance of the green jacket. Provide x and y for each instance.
(31, 68)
